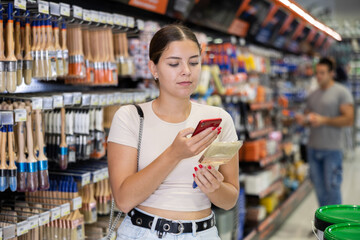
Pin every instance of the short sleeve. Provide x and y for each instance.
(125, 127)
(346, 97)
(228, 131)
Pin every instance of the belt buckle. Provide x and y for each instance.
(181, 228)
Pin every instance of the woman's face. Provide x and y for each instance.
(178, 69)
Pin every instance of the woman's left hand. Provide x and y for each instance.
(208, 178)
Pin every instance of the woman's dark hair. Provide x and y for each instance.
(328, 62)
(166, 35)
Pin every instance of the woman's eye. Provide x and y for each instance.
(173, 65)
(194, 63)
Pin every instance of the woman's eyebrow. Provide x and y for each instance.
(179, 58)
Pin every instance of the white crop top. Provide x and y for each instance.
(175, 192)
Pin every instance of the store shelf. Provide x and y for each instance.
(274, 186)
(261, 106)
(264, 161)
(260, 133)
(267, 227)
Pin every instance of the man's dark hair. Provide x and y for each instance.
(328, 62)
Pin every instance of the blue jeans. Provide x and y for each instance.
(326, 175)
(129, 231)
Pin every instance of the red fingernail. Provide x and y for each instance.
(200, 166)
(219, 132)
(193, 175)
(214, 128)
(209, 167)
(196, 169)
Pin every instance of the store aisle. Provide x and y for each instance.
(298, 225)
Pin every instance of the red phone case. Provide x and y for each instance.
(206, 123)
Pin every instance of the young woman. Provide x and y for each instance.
(159, 197)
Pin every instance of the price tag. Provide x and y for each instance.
(109, 19)
(36, 103)
(9, 231)
(131, 22)
(140, 24)
(94, 16)
(44, 218)
(68, 99)
(110, 99)
(102, 17)
(65, 209)
(117, 98)
(22, 228)
(87, 15)
(65, 9)
(76, 98)
(85, 179)
(55, 213)
(97, 175)
(77, 12)
(1, 235)
(54, 9)
(94, 100)
(106, 173)
(21, 4)
(102, 100)
(47, 103)
(77, 203)
(122, 98)
(122, 20)
(43, 7)
(20, 115)
(58, 101)
(33, 221)
(86, 99)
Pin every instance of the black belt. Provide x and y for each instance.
(164, 226)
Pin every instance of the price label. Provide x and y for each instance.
(47, 103)
(33, 221)
(77, 12)
(117, 98)
(105, 173)
(58, 101)
(68, 99)
(94, 16)
(122, 20)
(65, 209)
(22, 228)
(44, 218)
(85, 179)
(77, 203)
(94, 100)
(55, 213)
(109, 19)
(36, 103)
(20, 115)
(21, 4)
(97, 175)
(43, 7)
(86, 99)
(122, 98)
(102, 100)
(131, 22)
(55, 9)
(110, 99)
(87, 15)
(76, 98)
(140, 24)
(65, 9)
(102, 17)
(1, 235)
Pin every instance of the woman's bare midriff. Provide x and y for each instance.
(177, 215)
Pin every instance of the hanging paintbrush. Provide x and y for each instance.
(2, 54)
(76, 56)
(44, 63)
(63, 161)
(12, 167)
(59, 54)
(35, 47)
(88, 57)
(42, 159)
(64, 49)
(21, 160)
(32, 174)
(112, 62)
(3, 165)
(50, 50)
(28, 58)
(18, 53)
(10, 55)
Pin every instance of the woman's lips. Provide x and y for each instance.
(185, 83)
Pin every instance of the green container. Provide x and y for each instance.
(343, 231)
(335, 214)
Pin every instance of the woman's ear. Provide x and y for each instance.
(153, 69)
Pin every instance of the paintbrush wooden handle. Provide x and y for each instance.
(39, 134)
(27, 47)
(3, 164)
(57, 38)
(2, 47)
(29, 135)
(11, 148)
(10, 41)
(63, 122)
(21, 142)
(17, 41)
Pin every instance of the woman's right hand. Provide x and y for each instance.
(184, 147)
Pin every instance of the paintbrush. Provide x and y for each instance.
(18, 54)
(35, 38)
(64, 49)
(88, 58)
(43, 67)
(3, 165)
(32, 175)
(12, 167)
(113, 68)
(59, 55)
(42, 159)
(2, 55)
(63, 161)
(10, 58)
(50, 50)
(21, 160)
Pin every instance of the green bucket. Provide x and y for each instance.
(343, 231)
(334, 214)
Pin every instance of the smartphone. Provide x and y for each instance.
(206, 123)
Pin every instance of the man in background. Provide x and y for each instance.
(328, 110)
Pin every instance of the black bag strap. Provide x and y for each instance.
(139, 110)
